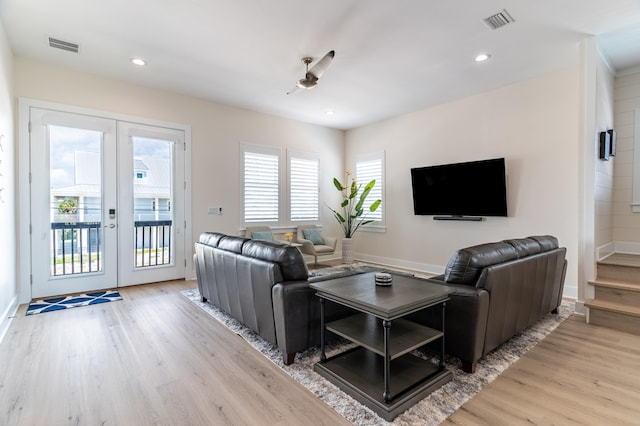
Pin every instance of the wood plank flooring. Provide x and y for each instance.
(578, 375)
(155, 359)
(150, 359)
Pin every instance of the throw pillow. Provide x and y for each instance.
(262, 235)
(313, 235)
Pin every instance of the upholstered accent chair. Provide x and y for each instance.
(314, 243)
(259, 233)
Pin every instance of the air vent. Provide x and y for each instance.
(498, 20)
(64, 45)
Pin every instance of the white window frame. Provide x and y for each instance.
(313, 158)
(246, 148)
(378, 225)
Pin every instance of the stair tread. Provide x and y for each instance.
(613, 307)
(624, 285)
(621, 259)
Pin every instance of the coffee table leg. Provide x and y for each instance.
(443, 305)
(386, 395)
(323, 356)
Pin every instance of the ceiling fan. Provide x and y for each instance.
(312, 75)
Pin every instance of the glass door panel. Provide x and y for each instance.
(73, 240)
(152, 203)
(75, 191)
(152, 200)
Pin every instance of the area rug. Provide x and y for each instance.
(432, 410)
(66, 302)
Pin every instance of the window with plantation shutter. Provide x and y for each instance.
(370, 167)
(261, 179)
(303, 187)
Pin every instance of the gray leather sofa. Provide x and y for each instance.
(264, 285)
(500, 288)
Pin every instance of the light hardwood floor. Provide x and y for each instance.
(155, 358)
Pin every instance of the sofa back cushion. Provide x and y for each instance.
(211, 238)
(525, 246)
(290, 260)
(232, 244)
(466, 264)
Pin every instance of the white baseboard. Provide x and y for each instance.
(605, 251)
(7, 316)
(398, 263)
(625, 247)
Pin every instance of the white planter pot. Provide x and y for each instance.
(347, 251)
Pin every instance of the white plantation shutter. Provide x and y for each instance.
(367, 168)
(303, 187)
(261, 185)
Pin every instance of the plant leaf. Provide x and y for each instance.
(374, 206)
(337, 184)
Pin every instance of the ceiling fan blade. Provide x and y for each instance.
(321, 66)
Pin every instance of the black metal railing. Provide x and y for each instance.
(76, 247)
(153, 242)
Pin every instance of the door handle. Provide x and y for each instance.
(113, 225)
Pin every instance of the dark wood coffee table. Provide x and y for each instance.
(381, 372)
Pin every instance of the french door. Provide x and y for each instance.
(107, 203)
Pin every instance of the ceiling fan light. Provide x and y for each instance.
(306, 84)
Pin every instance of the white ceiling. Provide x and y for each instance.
(392, 57)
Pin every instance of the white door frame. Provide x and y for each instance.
(24, 194)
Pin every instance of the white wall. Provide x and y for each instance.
(216, 130)
(626, 225)
(604, 170)
(534, 125)
(8, 281)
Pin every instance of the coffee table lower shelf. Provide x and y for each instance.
(360, 373)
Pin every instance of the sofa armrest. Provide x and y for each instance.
(296, 312)
(466, 315)
(307, 246)
(330, 241)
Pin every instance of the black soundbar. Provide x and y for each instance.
(469, 218)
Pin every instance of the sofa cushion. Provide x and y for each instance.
(313, 235)
(292, 264)
(211, 238)
(547, 242)
(232, 244)
(262, 235)
(466, 264)
(525, 246)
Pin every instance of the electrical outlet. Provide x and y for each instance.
(215, 210)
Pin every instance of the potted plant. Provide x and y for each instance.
(352, 214)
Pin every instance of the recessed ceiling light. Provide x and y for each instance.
(139, 61)
(482, 57)
(329, 112)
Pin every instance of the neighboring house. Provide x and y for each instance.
(152, 196)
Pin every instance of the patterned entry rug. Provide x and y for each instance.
(432, 410)
(67, 302)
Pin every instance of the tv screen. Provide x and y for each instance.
(476, 188)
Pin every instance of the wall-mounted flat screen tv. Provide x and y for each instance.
(476, 188)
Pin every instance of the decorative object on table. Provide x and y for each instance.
(352, 215)
(288, 236)
(383, 279)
